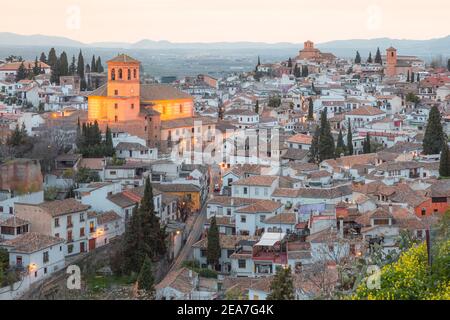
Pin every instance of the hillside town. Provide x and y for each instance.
(307, 172)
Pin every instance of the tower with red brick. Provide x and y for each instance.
(391, 62)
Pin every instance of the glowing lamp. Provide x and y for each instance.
(32, 267)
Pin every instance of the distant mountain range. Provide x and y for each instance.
(343, 48)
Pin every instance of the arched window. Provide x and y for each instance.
(113, 74)
(134, 73)
(120, 74)
(129, 74)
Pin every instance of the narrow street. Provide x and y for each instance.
(186, 252)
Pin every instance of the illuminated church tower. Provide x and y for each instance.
(122, 98)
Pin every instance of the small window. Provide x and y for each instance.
(120, 74)
(116, 92)
(45, 257)
(132, 106)
(242, 264)
(243, 219)
(129, 74)
(56, 222)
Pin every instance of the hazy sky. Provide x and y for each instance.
(227, 20)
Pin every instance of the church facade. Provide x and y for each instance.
(124, 104)
(309, 52)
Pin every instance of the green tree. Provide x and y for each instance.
(358, 58)
(80, 71)
(73, 67)
(289, 63)
(412, 77)
(22, 73)
(109, 147)
(18, 137)
(52, 61)
(257, 107)
(444, 163)
(145, 279)
(274, 101)
(99, 65)
(378, 58)
(305, 71)
(314, 150)
(63, 66)
(153, 235)
(349, 139)
(369, 59)
(326, 141)
(213, 249)
(434, 135)
(408, 77)
(93, 64)
(366, 145)
(448, 64)
(340, 146)
(297, 72)
(282, 285)
(411, 97)
(36, 67)
(132, 253)
(43, 58)
(310, 109)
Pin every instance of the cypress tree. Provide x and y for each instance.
(378, 58)
(257, 107)
(349, 139)
(63, 65)
(418, 77)
(73, 67)
(259, 62)
(93, 64)
(340, 147)
(80, 71)
(358, 58)
(133, 253)
(22, 73)
(305, 71)
(314, 150)
(289, 63)
(310, 109)
(109, 147)
(407, 77)
(433, 139)
(326, 141)
(282, 285)
(53, 63)
(153, 234)
(213, 248)
(99, 66)
(366, 145)
(43, 58)
(448, 64)
(412, 77)
(145, 279)
(444, 163)
(36, 68)
(369, 59)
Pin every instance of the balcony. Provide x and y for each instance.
(275, 257)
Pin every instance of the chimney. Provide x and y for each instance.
(390, 207)
(341, 228)
(232, 201)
